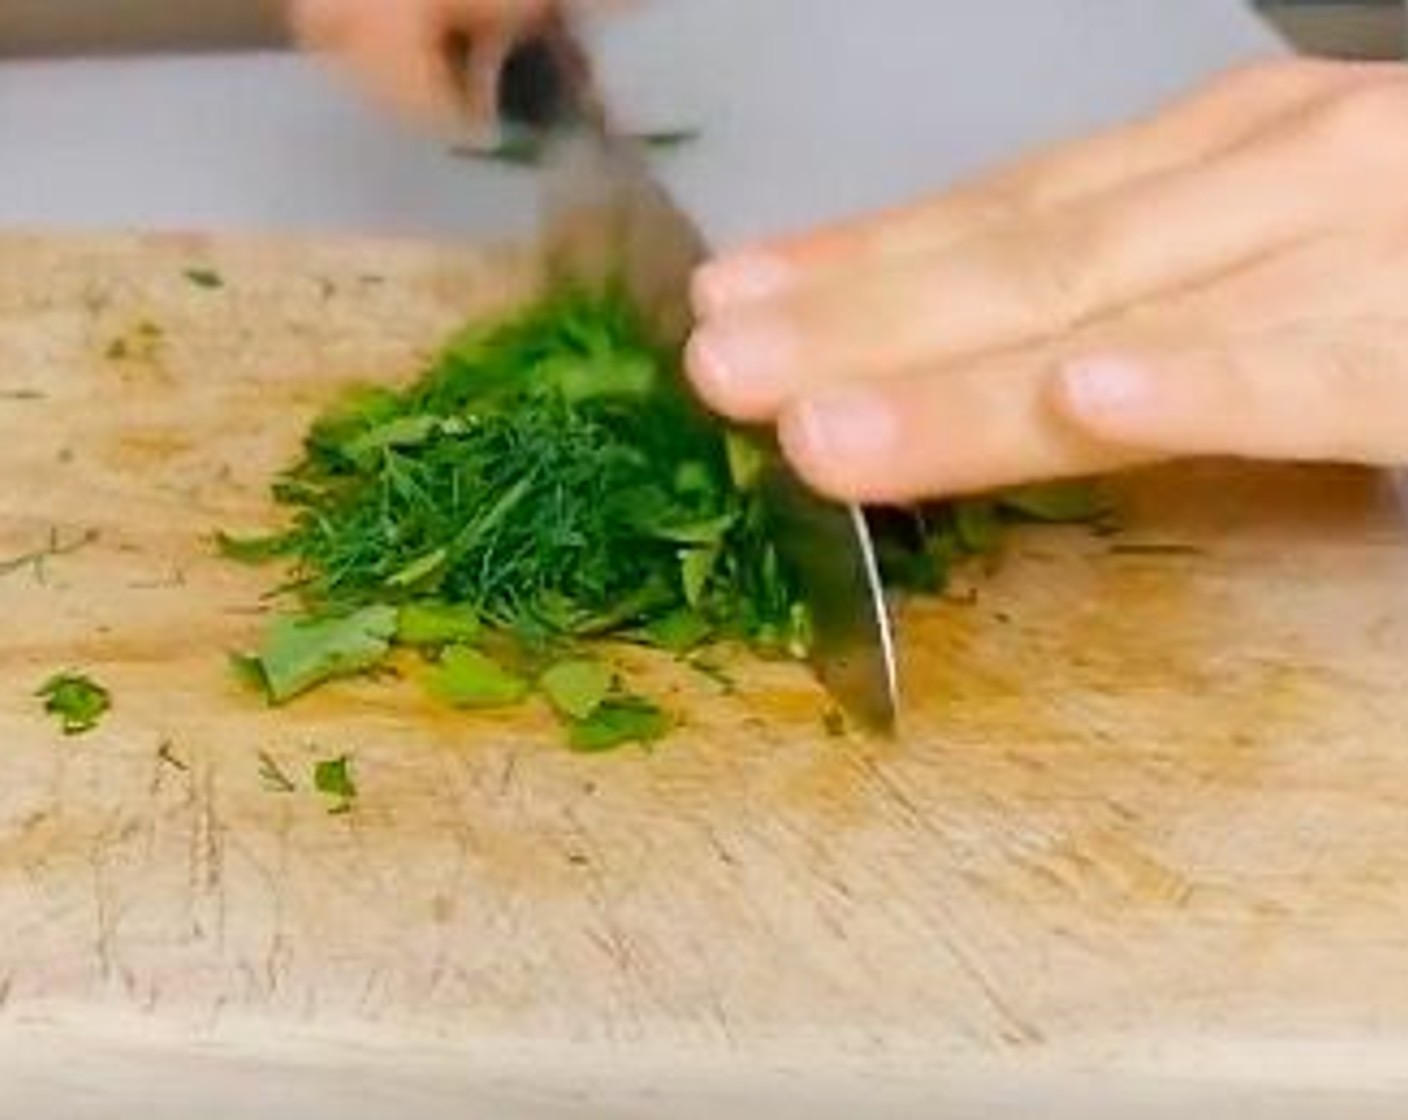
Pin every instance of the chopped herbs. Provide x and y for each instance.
(1055, 502)
(545, 482)
(333, 777)
(204, 277)
(576, 689)
(436, 624)
(466, 678)
(616, 723)
(300, 653)
(76, 701)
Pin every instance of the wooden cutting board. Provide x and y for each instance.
(1148, 826)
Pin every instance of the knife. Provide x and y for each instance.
(606, 217)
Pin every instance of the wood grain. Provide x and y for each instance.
(1149, 813)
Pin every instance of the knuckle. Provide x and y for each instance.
(1064, 271)
(1270, 79)
(1366, 119)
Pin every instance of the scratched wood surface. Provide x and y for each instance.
(1150, 804)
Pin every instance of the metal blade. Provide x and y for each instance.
(607, 218)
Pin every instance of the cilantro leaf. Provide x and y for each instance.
(1055, 502)
(617, 722)
(78, 702)
(434, 623)
(467, 678)
(299, 653)
(577, 688)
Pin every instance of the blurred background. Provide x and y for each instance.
(1341, 28)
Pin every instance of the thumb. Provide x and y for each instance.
(1315, 396)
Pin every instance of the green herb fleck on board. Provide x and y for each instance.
(76, 701)
(332, 777)
(204, 277)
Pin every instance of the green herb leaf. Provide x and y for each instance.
(300, 653)
(617, 722)
(1056, 502)
(467, 678)
(679, 631)
(333, 777)
(976, 525)
(577, 688)
(204, 277)
(77, 701)
(432, 623)
(255, 550)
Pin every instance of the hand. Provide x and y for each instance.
(398, 48)
(1229, 276)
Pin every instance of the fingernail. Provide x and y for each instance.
(844, 424)
(1095, 386)
(742, 365)
(742, 278)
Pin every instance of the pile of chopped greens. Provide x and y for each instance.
(545, 483)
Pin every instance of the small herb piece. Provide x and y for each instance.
(437, 624)
(253, 550)
(204, 277)
(274, 776)
(299, 653)
(467, 678)
(1055, 502)
(617, 722)
(577, 688)
(77, 701)
(834, 723)
(333, 777)
(679, 631)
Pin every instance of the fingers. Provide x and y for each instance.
(1327, 395)
(1228, 112)
(1024, 281)
(958, 431)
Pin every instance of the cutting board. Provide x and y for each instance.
(1144, 840)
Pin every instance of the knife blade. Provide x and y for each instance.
(607, 218)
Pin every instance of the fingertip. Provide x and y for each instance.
(742, 366)
(744, 277)
(844, 443)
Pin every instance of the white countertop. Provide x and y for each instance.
(934, 90)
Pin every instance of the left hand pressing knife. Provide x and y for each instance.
(607, 217)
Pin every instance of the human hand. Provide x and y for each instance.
(398, 48)
(1229, 276)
